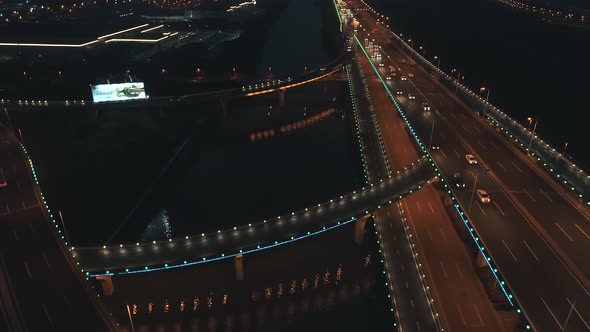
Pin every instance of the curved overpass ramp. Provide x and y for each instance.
(201, 248)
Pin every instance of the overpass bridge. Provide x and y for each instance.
(224, 96)
(201, 248)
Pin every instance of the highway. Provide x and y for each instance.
(412, 308)
(533, 230)
(461, 300)
(192, 249)
(40, 288)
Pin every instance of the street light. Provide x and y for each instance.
(423, 51)
(528, 152)
(485, 107)
(437, 58)
(530, 120)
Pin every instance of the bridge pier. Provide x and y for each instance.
(239, 263)
(359, 229)
(281, 98)
(106, 283)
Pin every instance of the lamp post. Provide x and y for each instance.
(423, 51)
(485, 107)
(431, 134)
(528, 152)
(564, 147)
(438, 63)
(530, 120)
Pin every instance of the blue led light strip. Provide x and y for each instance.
(470, 229)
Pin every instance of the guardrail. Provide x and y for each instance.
(479, 243)
(565, 170)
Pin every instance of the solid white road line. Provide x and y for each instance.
(552, 314)
(531, 250)
(566, 234)
(482, 211)
(510, 251)
(431, 208)
(504, 168)
(581, 230)
(443, 153)
(429, 234)
(47, 314)
(457, 153)
(419, 208)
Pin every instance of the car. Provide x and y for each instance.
(381, 64)
(374, 30)
(399, 92)
(412, 63)
(483, 196)
(457, 180)
(410, 75)
(411, 96)
(3, 179)
(426, 107)
(404, 78)
(471, 159)
(388, 78)
(435, 147)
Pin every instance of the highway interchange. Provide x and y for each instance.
(536, 235)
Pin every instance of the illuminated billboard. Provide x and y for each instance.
(118, 92)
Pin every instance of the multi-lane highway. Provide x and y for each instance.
(40, 288)
(535, 233)
(461, 301)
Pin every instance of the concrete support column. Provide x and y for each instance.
(239, 267)
(359, 229)
(281, 98)
(106, 283)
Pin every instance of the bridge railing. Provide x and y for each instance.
(572, 176)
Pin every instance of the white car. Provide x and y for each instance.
(411, 96)
(470, 159)
(404, 78)
(483, 196)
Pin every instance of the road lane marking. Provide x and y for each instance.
(431, 208)
(531, 250)
(402, 266)
(398, 252)
(418, 325)
(495, 146)
(388, 213)
(457, 153)
(15, 234)
(510, 251)
(429, 234)
(28, 270)
(419, 208)
(408, 287)
(578, 313)
(7, 209)
(518, 168)
(443, 153)
(502, 212)
(443, 234)
(483, 147)
(534, 200)
(478, 315)
(581, 230)
(443, 269)
(549, 198)
(551, 312)
(412, 303)
(504, 168)
(459, 270)
(24, 205)
(482, 211)
(47, 314)
(566, 234)
(461, 314)
(47, 262)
